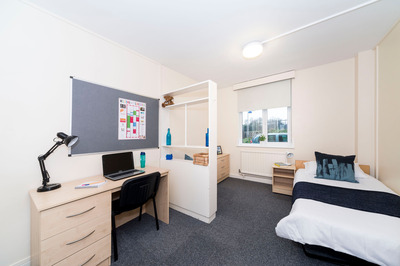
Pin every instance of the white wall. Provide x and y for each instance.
(38, 53)
(388, 109)
(325, 109)
(366, 108)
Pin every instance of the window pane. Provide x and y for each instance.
(277, 124)
(251, 126)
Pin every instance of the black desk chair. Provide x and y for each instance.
(134, 193)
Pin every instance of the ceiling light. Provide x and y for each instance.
(252, 49)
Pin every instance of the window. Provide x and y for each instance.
(252, 126)
(272, 123)
(266, 110)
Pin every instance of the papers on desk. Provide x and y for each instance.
(91, 184)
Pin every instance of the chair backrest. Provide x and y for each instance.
(137, 191)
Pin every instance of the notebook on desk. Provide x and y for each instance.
(119, 165)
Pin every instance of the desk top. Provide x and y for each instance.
(68, 193)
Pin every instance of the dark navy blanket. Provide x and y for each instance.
(363, 200)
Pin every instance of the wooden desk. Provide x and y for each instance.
(73, 226)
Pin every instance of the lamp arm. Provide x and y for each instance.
(41, 158)
(45, 174)
(52, 149)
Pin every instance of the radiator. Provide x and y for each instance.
(259, 163)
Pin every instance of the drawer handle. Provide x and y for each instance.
(73, 242)
(70, 216)
(88, 260)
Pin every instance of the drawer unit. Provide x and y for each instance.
(64, 217)
(95, 254)
(223, 167)
(61, 233)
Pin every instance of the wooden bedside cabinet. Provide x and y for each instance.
(282, 179)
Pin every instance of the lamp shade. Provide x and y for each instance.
(67, 140)
(71, 140)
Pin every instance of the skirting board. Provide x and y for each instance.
(23, 262)
(253, 178)
(192, 214)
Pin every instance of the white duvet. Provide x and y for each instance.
(370, 236)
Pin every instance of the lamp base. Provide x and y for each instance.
(48, 187)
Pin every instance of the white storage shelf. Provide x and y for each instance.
(196, 101)
(195, 87)
(193, 188)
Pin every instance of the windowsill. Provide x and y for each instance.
(268, 145)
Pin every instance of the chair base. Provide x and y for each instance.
(114, 230)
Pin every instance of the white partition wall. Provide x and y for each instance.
(193, 188)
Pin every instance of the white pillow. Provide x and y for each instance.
(358, 172)
(311, 167)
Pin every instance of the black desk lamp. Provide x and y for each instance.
(62, 139)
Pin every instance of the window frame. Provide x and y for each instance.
(288, 144)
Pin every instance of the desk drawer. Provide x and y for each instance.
(64, 217)
(92, 255)
(60, 246)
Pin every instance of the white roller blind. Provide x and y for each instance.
(265, 96)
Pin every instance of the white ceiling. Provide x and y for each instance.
(203, 39)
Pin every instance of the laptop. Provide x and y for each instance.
(119, 165)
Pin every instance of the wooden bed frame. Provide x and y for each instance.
(300, 165)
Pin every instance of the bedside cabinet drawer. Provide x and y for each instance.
(64, 217)
(71, 241)
(94, 254)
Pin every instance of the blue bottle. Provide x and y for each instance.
(168, 137)
(207, 138)
(142, 159)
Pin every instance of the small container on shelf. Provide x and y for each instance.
(207, 137)
(168, 140)
(200, 159)
(168, 157)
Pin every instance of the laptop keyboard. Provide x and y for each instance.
(118, 176)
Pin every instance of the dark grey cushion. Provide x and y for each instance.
(335, 167)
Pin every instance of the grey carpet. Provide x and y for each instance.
(243, 233)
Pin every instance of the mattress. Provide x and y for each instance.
(373, 237)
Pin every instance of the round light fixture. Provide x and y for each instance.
(252, 49)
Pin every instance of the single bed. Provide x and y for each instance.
(371, 233)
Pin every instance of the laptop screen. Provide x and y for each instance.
(114, 163)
